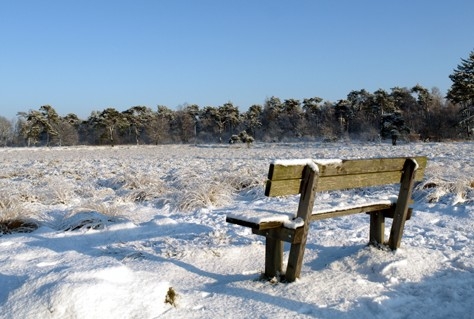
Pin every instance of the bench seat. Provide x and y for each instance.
(270, 219)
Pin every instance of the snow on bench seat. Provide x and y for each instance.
(271, 219)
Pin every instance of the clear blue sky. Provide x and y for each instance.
(80, 56)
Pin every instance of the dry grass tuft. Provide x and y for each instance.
(104, 208)
(243, 182)
(17, 226)
(436, 190)
(204, 195)
(91, 216)
(14, 218)
(85, 221)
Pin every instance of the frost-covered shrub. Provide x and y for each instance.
(55, 190)
(141, 187)
(436, 189)
(90, 191)
(110, 209)
(242, 137)
(204, 194)
(244, 181)
(209, 186)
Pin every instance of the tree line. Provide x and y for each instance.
(413, 113)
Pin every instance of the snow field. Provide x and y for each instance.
(119, 226)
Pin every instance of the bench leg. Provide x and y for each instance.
(401, 209)
(305, 208)
(273, 257)
(377, 228)
(295, 262)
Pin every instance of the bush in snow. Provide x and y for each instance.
(242, 137)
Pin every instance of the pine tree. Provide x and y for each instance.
(462, 91)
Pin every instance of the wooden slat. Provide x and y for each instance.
(285, 180)
(327, 183)
(283, 172)
(373, 165)
(360, 180)
(350, 211)
(288, 235)
(346, 167)
(422, 161)
(282, 187)
(259, 226)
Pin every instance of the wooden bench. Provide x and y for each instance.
(306, 177)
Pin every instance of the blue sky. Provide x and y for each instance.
(81, 56)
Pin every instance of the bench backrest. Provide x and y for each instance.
(284, 177)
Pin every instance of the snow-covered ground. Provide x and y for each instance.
(121, 229)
